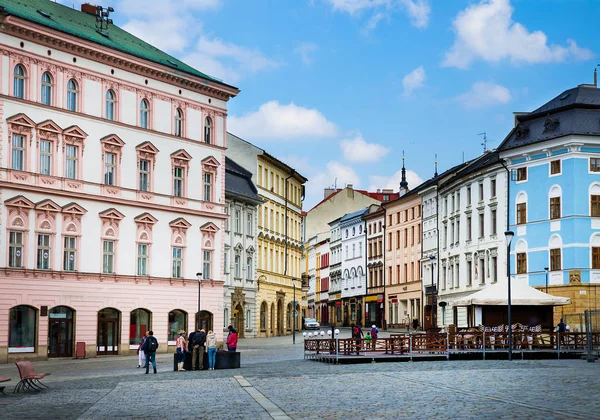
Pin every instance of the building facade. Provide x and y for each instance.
(354, 264)
(375, 295)
(241, 203)
(280, 246)
(472, 243)
(553, 154)
(335, 273)
(106, 148)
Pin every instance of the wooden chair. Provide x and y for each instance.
(3, 379)
(29, 379)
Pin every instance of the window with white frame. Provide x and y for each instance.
(177, 264)
(110, 168)
(207, 130)
(249, 221)
(142, 260)
(43, 252)
(110, 105)
(108, 257)
(226, 261)
(72, 93)
(249, 268)
(71, 161)
(46, 91)
(238, 222)
(45, 157)
(236, 266)
(70, 253)
(248, 319)
(206, 265)
(144, 175)
(15, 249)
(208, 179)
(178, 181)
(18, 152)
(19, 82)
(144, 113)
(178, 122)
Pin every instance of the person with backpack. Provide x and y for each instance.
(374, 333)
(150, 347)
(358, 334)
(198, 342)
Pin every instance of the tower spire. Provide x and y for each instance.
(403, 183)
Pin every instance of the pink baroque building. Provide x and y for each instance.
(112, 177)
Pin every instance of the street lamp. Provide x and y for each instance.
(294, 313)
(509, 236)
(432, 259)
(199, 276)
(546, 269)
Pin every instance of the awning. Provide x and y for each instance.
(521, 295)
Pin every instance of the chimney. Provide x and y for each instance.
(328, 191)
(350, 189)
(90, 9)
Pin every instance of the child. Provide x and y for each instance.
(368, 339)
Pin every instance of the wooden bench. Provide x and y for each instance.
(29, 379)
(3, 379)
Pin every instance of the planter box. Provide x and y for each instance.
(223, 360)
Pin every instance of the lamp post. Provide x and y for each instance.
(199, 276)
(509, 236)
(294, 313)
(546, 269)
(432, 259)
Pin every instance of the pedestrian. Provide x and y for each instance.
(232, 339)
(561, 327)
(211, 346)
(150, 347)
(199, 341)
(374, 334)
(180, 351)
(140, 351)
(358, 335)
(368, 339)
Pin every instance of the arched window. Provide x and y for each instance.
(555, 202)
(139, 323)
(19, 82)
(595, 199)
(110, 105)
(555, 251)
(179, 122)
(22, 326)
(46, 88)
(144, 112)
(521, 211)
(207, 130)
(72, 92)
(263, 316)
(177, 323)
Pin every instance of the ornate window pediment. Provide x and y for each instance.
(19, 201)
(112, 141)
(180, 223)
(147, 147)
(211, 162)
(112, 214)
(181, 155)
(209, 227)
(521, 132)
(21, 120)
(146, 218)
(250, 250)
(75, 131)
(48, 205)
(48, 129)
(238, 248)
(74, 208)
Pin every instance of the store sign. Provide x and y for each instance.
(338, 304)
(394, 300)
(371, 299)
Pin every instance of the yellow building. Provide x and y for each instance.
(279, 236)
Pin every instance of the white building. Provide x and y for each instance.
(112, 177)
(354, 256)
(472, 245)
(242, 200)
(335, 273)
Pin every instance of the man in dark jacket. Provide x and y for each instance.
(150, 346)
(358, 334)
(198, 341)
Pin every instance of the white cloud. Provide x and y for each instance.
(306, 50)
(273, 120)
(373, 22)
(334, 173)
(414, 80)
(358, 150)
(393, 182)
(487, 32)
(484, 94)
(417, 10)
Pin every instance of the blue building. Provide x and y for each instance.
(553, 155)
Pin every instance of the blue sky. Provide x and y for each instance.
(339, 88)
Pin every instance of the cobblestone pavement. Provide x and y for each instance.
(275, 382)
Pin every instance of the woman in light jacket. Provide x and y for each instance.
(211, 348)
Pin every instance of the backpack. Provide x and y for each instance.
(356, 332)
(152, 344)
(374, 332)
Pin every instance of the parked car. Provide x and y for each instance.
(311, 324)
